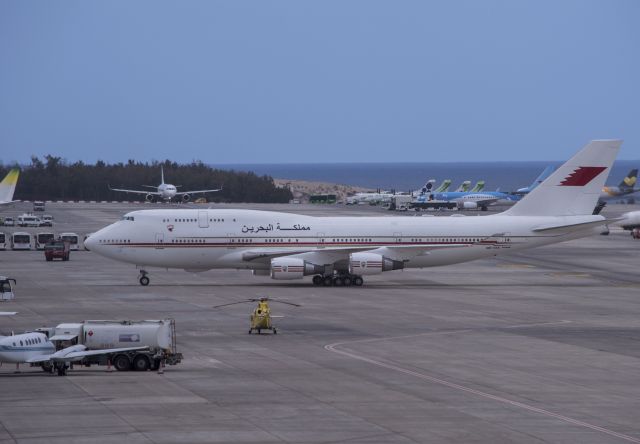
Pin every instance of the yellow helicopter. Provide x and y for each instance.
(261, 317)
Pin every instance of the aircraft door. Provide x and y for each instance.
(320, 238)
(397, 238)
(159, 241)
(203, 219)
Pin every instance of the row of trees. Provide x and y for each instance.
(52, 178)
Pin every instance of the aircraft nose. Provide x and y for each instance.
(91, 241)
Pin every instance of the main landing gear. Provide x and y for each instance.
(338, 280)
(144, 280)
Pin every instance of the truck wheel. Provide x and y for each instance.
(155, 365)
(49, 259)
(122, 363)
(141, 363)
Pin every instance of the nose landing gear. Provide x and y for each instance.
(144, 280)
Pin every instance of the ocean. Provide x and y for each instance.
(505, 176)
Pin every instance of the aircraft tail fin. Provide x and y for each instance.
(444, 186)
(629, 182)
(464, 186)
(8, 185)
(573, 189)
(479, 186)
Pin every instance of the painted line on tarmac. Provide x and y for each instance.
(334, 348)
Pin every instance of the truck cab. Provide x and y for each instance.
(57, 249)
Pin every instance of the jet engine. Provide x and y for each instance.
(467, 205)
(186, 197)
(292, 268)
(149, 197)
(372, 263)
(630, 220)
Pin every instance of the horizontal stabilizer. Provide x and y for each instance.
(586, 224)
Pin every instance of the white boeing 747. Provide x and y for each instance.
(165, 191)
(340, 250)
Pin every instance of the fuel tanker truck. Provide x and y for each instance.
(158, 335)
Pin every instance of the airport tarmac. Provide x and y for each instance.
(541, 346)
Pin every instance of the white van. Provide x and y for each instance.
(73, 239)
(28, 220)
(3, 241)
(20, 241)
(42, 239)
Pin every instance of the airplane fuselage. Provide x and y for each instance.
(205, 239)
(21, 348)
(167, 191)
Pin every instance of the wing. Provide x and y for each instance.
(197, 192)
(155, 193)
(77, 355)
(39, 358)
(334, 254)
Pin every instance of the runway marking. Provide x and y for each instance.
(334, 348)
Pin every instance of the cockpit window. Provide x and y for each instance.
(127, 218)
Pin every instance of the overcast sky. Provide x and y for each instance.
(317, 81)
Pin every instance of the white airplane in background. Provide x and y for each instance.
(340, 250)
(8, 186)
(36, 348)
(165, 191)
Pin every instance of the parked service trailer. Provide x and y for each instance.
(158, 335)
(3, 241)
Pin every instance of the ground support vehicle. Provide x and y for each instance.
(46, 220)
(38, 205)
(20, 240)
(28, 220)
(43, 238)
(57, 249)
(158, 335)
(6, 289)
(3, 241)
(73, 240)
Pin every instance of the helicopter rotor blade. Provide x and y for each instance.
(233, 303)
(285, 302)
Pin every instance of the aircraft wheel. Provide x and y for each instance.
(317, 280)
(144, 281)
(275, 332)
(47, 367)
(347, 281)
(141, 363)
(327, 281)
(122, 363)
(358, 281)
